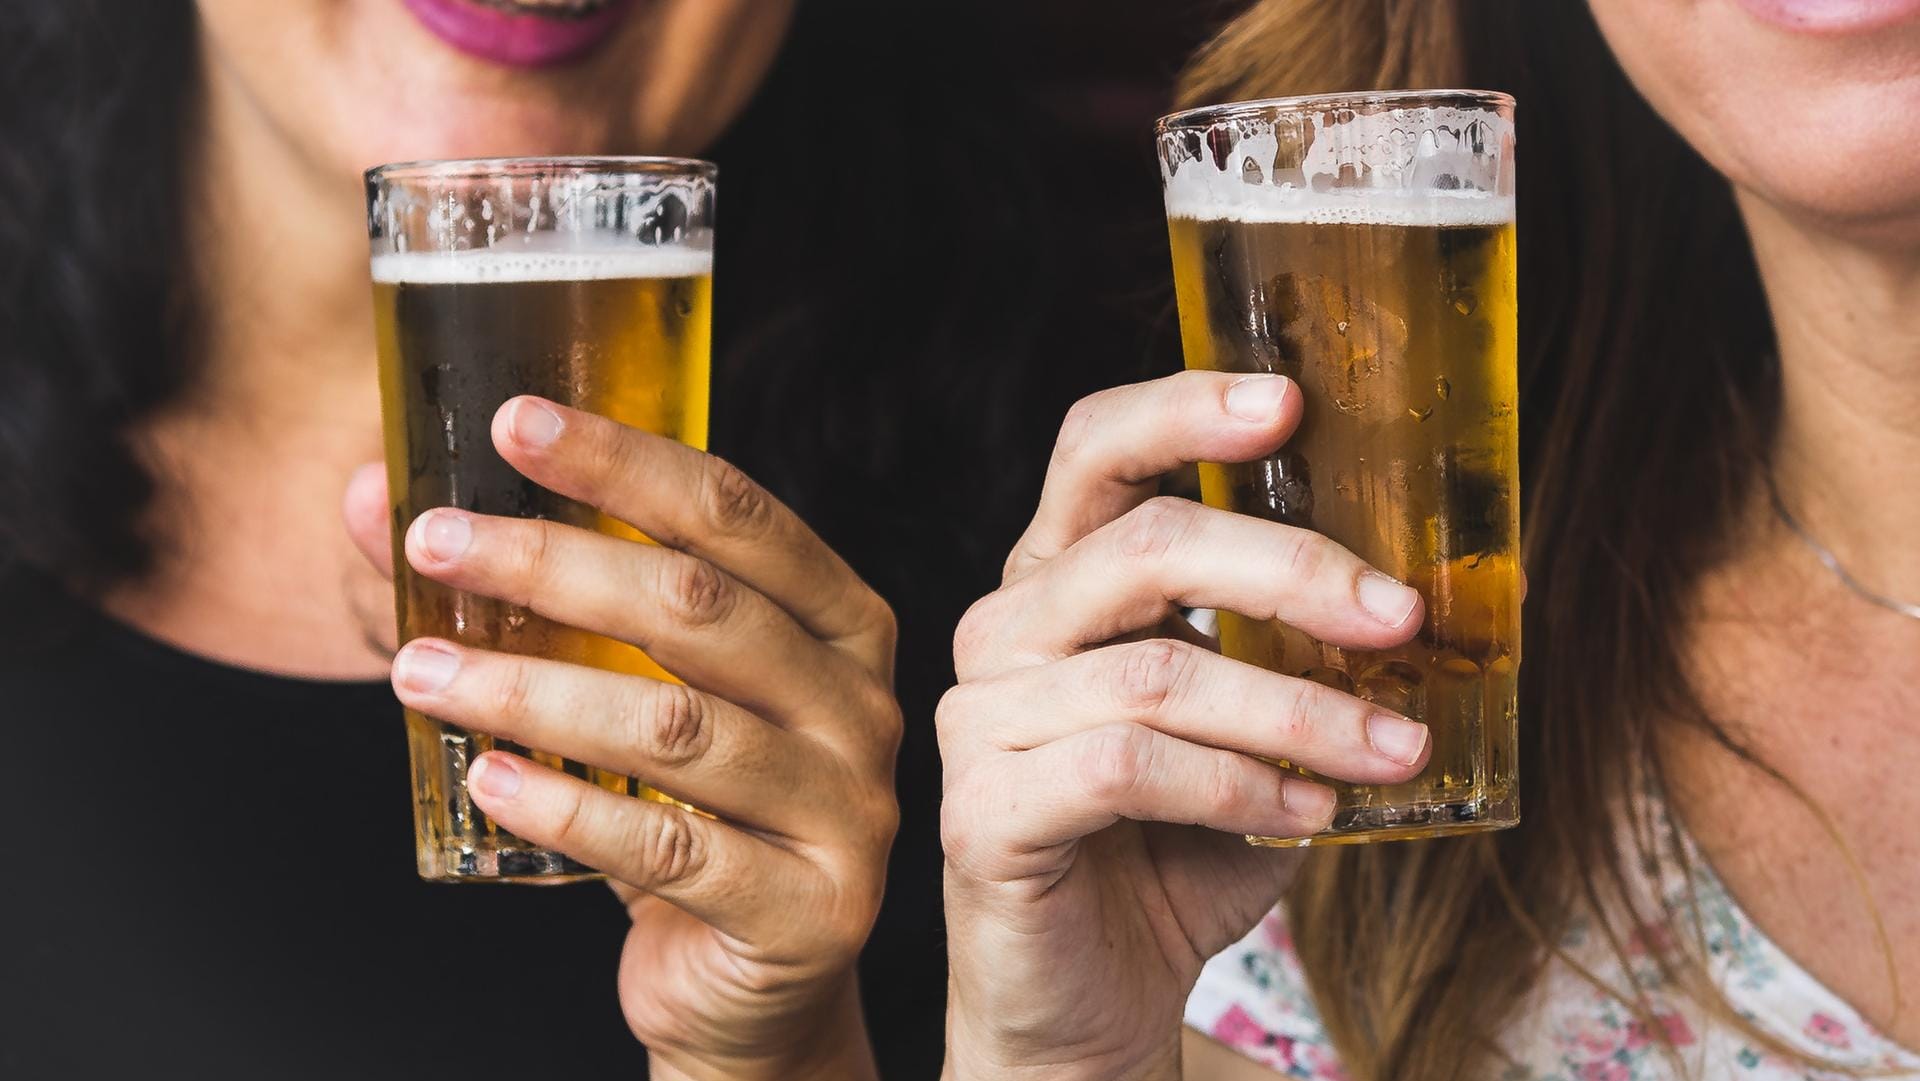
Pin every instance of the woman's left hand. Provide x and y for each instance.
(746, 926)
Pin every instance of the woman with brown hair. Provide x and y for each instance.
(1714, 875)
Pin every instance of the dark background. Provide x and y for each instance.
(940, 225)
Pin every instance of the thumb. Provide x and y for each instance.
(365, 510)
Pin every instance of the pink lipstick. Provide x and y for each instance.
(1833, 16)
(521, 33)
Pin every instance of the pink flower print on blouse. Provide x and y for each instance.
(1650, 940)
(1606, 1069)
(1237, 1028)
(1679, 1033)
(1829, 1032)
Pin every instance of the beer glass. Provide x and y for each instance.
(585, 281)
(1363, 246)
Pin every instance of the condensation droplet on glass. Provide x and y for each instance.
(1464, 303)
(1342, 326)
(1420, 414)
(1442, 388)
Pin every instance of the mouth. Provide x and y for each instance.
(1833, 17)
(547, 9)
(522, 33)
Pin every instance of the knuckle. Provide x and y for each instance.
(1298, 724)
(670, 850)
(694, 592)
(512, 692)
(974, 631)
(1076, 429)
(952, 717)
(571, 823)
(1224, 787)
(1151, 673)
(957, 818)
(882, 708)
(734, 503)
(1155, 528)
(672, 727)
(1303, 555)
(536, 555)
(878, 816)
(1116, 762)
(880, 616)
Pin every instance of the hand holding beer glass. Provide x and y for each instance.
(1363, 246)
(1345, 276)
(600, 621)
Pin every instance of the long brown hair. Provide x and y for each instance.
(1647, 407)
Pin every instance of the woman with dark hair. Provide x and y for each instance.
(1714, 874)
(212, 877)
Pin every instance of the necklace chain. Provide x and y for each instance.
(1832, 562)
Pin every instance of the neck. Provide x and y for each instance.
(255, 566)
(1847, 457)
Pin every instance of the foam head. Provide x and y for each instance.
(1435, 165)
(499, 265)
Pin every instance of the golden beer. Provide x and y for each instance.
(620, 333)
(587, 281)
(1395, 312)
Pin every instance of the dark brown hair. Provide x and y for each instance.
(1648, 403)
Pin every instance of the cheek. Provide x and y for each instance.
(1819, 125)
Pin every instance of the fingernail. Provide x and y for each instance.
(1306, 800)
(1257, 397)
(1396, 737)
(1385, 599)
(533, 424)
(494, 775)
(446, 535)
(426, 667)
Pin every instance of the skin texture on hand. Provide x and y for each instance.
(746, 920)
(1101, 763)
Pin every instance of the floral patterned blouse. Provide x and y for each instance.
(1253, 998)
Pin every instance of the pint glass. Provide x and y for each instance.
(585, 281)
(1363, 245)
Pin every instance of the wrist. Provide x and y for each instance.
(829, 1046)
(974, 1053)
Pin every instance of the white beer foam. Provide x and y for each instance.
(489, 265)
(1295, 206)
(1411, 147)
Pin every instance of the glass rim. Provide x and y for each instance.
(1206, 116)
(489, 168)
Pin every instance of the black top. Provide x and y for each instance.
(208, 873)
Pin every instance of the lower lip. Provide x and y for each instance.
(522, 41)
(1833, 16)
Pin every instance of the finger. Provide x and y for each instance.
(1073, 787)
(733, 882)
(1195, 696)
(1114, 446)
(696, 747)
(1129, 573)
(694, 620)
(701, 505)
(369, 519)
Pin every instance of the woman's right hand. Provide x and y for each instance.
(1091, 733)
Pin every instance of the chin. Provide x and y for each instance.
(466, 129)
(1847, 159)
(1808, 105)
